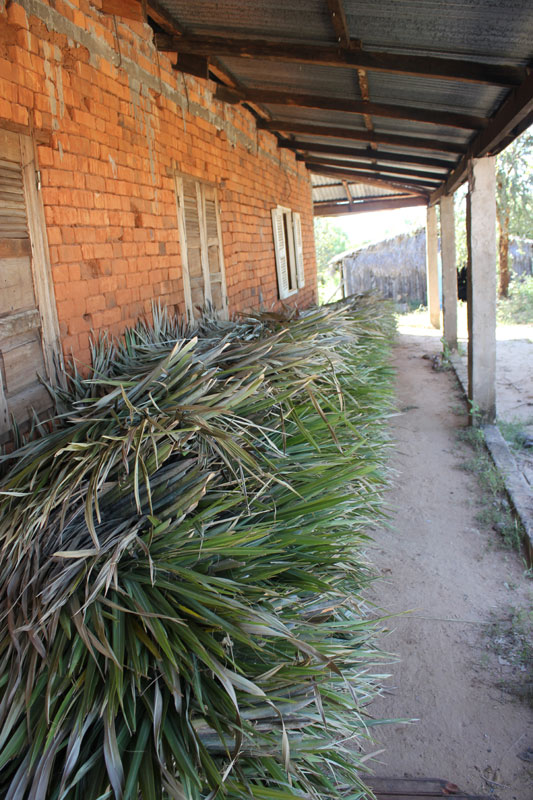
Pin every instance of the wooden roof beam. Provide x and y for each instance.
(364, 155)
(354, 58)
(384, 181)
(507, 121)
(340, 25)
(294, 99)
(347, 191)
(330, 209)
(172, 28)
(165, 20)
(432, 177)
(353, 134)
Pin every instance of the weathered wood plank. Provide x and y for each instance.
(330, 209)
(10, 145)
(19, 323)
(340, 24)
(16, 285)
(14, 248)
(193, 65)
(129, 9)
(327, 55)
(42, 274)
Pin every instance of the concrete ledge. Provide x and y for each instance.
(461, 371)
(516, 485)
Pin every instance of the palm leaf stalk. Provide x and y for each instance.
(182, 564)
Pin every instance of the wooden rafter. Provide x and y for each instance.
(330, 209)
(347, 191)
(517, 108)
(355, 58)
(363, 155)
(298, 100)
(165, 20)
(362, 81)
(340, 25)
(385, 181)
(353, 134)
(173, 28)
(431, 177)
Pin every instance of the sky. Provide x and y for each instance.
(375, 226)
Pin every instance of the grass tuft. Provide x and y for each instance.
(495, 511)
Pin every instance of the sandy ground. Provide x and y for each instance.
(514, 372)
(441, 565)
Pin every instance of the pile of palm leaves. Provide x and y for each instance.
(181, 565)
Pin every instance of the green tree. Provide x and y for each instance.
(514, 204)
(330, 240)
(514, 186)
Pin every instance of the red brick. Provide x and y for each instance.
(16, 15)
(109, 194)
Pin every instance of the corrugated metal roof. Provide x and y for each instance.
(498, 32)
(317, 116)
(331, 140)
(500, 29)
(334, 190)
(471, 98)
(430, 132)
(297, 20)
(322, 180)
(360, 191)
(306, 78)
(495, 29)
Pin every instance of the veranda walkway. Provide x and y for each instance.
(448, 569)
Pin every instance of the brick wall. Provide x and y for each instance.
(114, 120)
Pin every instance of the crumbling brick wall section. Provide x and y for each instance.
(113, 121)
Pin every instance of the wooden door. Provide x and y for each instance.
(27, 344)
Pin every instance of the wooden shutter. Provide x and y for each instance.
(201, 247)
(191, 246)
(215, 257)
(298, 249)
(28, 328)
(280, 248)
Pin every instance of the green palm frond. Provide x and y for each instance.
(182, 564)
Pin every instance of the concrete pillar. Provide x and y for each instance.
(432, 266)
(482, 256)
(449, 272)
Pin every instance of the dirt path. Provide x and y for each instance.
(438, 561)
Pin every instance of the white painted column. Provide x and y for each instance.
(481, 233)
(449, 271)
(432, 266)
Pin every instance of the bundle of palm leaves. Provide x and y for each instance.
(181, 573)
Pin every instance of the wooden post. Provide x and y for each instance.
(449, 271)
(432, 267)
(481, 235)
